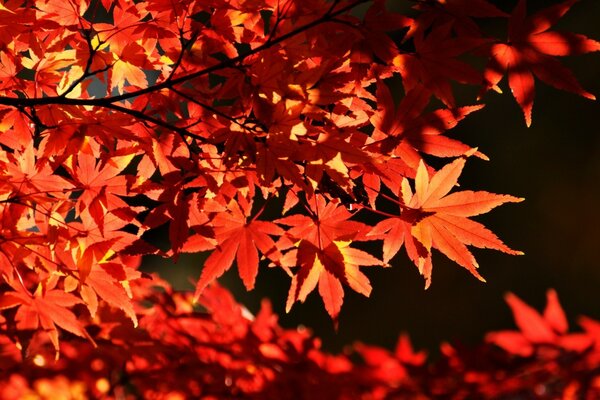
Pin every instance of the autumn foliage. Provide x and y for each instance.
(222, 352)
(313, 137)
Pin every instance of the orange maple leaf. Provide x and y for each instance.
(444, 222)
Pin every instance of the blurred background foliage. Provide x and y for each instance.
(555, 165)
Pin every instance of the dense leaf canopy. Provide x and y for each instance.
(119, 119)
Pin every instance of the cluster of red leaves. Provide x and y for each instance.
(120, 118)
(217, 350)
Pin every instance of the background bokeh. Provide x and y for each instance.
(555, 165)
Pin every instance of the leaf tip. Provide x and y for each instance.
(336, 324)
(289, 303)
(482, 156)
(510, 298)
(477, 274)
(427, 283)
(197, 295)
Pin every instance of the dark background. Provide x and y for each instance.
(555, 165)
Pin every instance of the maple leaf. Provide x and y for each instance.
(101, 185)
(457, 13)
(530, 51)
(101, 284)
(328, 222)
(407, 131)
(94, 253)
(551, 327)
(238, 239)
(8, 74)
(275, 157)
(65, 13)
(47, 307)
(377, 21)
(121, 32)
(396, 231)
(440, 220)
(328, 268)
(391, 367)
(47, 66)
(331, 154)
(435, 63)
(15, 129)
(103, 273)
(129, 65)
(31, 176)
(166, 148)
(322, 253)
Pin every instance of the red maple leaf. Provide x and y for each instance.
(31, 176)
(239, 239)
(408, 132)
(328, 268)
(435, 62)
(549, 328)
(101, 185)
(457, 13)
(322, 254)
(530, 50)
(46, 308)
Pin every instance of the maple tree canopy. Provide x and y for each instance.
(206, 118)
